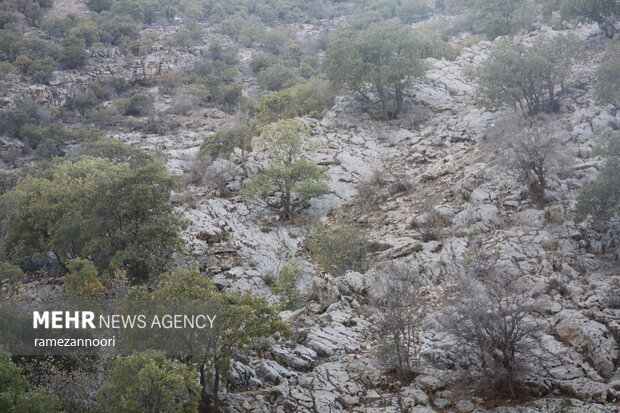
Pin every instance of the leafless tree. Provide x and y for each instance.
(493, 320)
(399, 307)
(530, 149)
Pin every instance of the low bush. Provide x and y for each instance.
(338, 248)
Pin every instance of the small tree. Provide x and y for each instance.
(73, 54)
(14, 394)
(605, 13)
(310, 98)
(496, 17)
(116, 212)
(148, 382)
(396, 297)
(492, 319)
(286, 285)
(380, 60)
(83, 279)
(338, 248)
(528, 77)
(608, 75)
(242, 319)
(601, 199)
(294, 179)
(530, 150)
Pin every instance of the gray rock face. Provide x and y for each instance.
(413, 396)
(590, 338)
(430, 384)
(465, 406)
(529, 218)
(273, 372)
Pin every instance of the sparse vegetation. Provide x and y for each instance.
(338, 249)
(492, 319)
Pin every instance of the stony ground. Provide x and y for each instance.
(439, 159)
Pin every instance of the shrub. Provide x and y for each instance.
(310, 98)
(149, 382)
(276, 77)
(600, 199)
(608, 75)
(285, 286)
(10, 272)
(261, 61)
(400, 309)
(338, 248)
(223, 142)
(137, 105)
(493, 321)
(83, 279)
(530, 150)
(15, 395)
(73, 54)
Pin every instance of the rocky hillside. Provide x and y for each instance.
(433, 192)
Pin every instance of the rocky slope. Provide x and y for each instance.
(441, 157)
(439, 162)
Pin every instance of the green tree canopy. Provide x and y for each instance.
(241, 320)
(608, 75)
(294, 179)
(380, 60)
(528, 77)
(148, 382)
(115, 213)
(605, 13)
(601, 199)
(497, 17)
(15, 397)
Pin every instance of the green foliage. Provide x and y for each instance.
(431, 44)
(137, 105)
(40, 70)
(276, 77)
(11, 43)
(86, 30)
(15, 396)
(408, 11)
(608, 75)
(497, 17)
(294, 179)
(148, 382)
(224, 141)
(7, 181)
(73, 54)
(603, 12)
(261, 61)
(242, 320)
(384, 55)
(116, 213)
(83, 279)
(215, 77)
(10, 272)
(285, 286)
(528, 77)
(601, 199)
(34, 14)
(310, 98)
(99, 5)
(338, 248)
